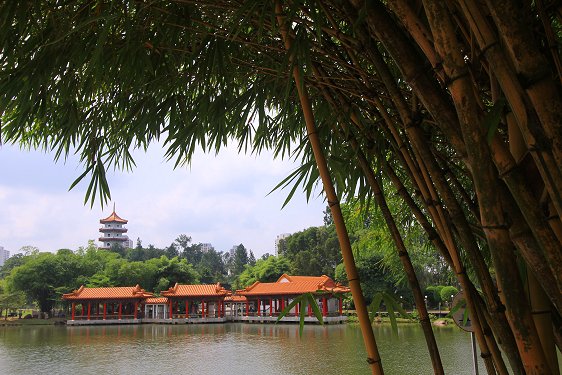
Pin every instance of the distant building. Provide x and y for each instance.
(206, 247)
(113, 232)
(4, 255)
(278, 239)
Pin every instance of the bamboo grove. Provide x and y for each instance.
(457, 104)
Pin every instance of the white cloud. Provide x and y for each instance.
(222, 200)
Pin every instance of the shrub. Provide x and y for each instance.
(447, 292)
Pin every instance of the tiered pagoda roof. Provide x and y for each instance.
(107, 293)
(113, 218)
(294, 285)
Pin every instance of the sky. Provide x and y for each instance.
(220, 199)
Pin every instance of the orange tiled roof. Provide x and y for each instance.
(182, 290)
(121, 292)
(291, 285)
(235, 298)
(113, 218)
(156, 300)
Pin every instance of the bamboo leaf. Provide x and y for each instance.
(288, 308)
(88, 170)
(375, 305)
(391, 316)
(315, 308)
(302, 307)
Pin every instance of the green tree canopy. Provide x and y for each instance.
(265, 270)
(314, 251)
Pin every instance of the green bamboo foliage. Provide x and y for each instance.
(455, 104)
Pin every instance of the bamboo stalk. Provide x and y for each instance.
(376, 15)
(532, 67)
(484, 176)
(373, 359)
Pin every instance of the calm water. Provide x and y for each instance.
(234, 348)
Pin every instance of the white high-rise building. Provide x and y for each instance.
(206, 247)
(4, 255)
(278, 239)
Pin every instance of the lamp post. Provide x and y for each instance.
(452, 296)
(401, 303)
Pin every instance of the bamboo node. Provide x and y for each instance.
(332, 203)
(372, 361)
(507, 172)
(528, 81)
(540, 312)
(493, 227)
(485, 49)
(315, 132)
(448, 82)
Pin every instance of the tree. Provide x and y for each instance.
(251, 258)
(42, 274)
(313, 251)
(239, 260)
(455, 104)
(374, 277)
(10, 300)
(11, 263)
(189, 251)
(265, 270)
(211, 268)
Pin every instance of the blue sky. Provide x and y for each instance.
(219, 199)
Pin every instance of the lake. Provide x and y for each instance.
(232, 348)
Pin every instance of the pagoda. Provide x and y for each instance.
(113, 231)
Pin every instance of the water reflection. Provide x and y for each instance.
(235, 348)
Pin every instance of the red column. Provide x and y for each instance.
(324, 307)
(247, 308)
(341, 307)
(202, 309)
(258, 312)
(186, 309)
(309, 309)
(104, 310)
(270, 306)
(282, 303)
(136, 307)
(171, 310)
(297, 306)
(219, 307)
(89, 309)
(120, 308)
(73, 309)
